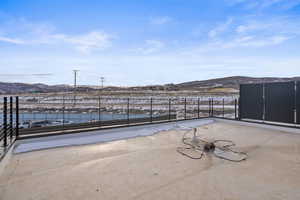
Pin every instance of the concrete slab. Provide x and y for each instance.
(150, 168)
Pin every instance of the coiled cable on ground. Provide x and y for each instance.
(198, 146)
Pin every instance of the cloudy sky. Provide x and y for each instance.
(140, 42)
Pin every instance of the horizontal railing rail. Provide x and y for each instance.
(38, 130)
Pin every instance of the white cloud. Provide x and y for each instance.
(266, 26)
(241, 43)
(251, 41)
(252, 32)
(246, 28)
(234, 2)
(264, 4)
(11, 40)
(151, 46)
(86, 43)
(220, 28)
(44, 34)
(277, 25)
(160, 20)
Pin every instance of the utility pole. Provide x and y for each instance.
(75, 78)
(102, 79)
(75, 83)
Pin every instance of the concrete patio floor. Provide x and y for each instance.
(150, 168)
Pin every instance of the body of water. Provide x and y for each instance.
(67, 118)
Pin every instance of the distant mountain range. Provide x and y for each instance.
(205, 85)
(233, 81)
(12, 88)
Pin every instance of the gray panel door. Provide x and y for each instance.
(280, 102)
(251, 101)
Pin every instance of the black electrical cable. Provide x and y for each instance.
(201, 148)
(181, 151)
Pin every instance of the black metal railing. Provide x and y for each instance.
(59, 114)
(63, 113)
(9, 130)
(222, 108)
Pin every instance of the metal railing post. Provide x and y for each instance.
(295, 104)
(151, 104)
(209, 109)
(184, 108)
(99, 110)
(212, 107)
(128, 111)
(11, 122)
(169, 109)
(235, 108)
(198, 108)
(223, 107)
(17, 117)
(264, 104)
(63, 122)
(5, 121)
(239, 109)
